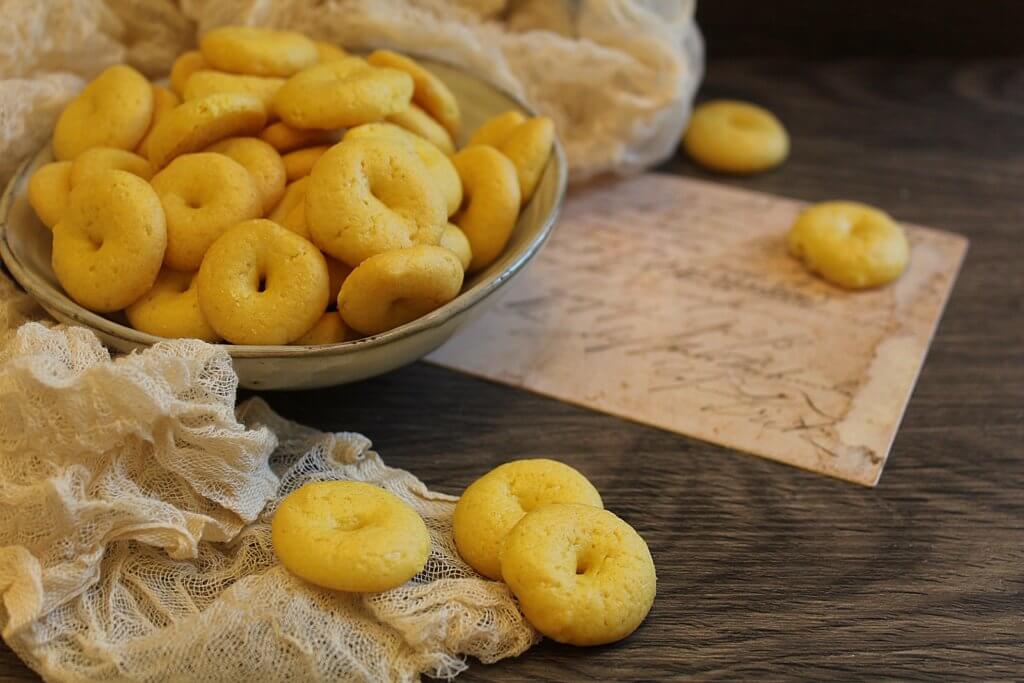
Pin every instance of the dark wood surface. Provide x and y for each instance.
(766, 571)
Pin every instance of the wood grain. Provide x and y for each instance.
(764, 570)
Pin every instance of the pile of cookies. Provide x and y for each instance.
(281, 191)
(582, 575)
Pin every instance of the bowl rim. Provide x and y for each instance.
(36, 286)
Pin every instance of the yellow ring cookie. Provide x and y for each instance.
(299, 163)
(48, 191)
(396, 287)
(257, 51)
(418, 122)
(342, 93)
(370, 196)
(429, 91)
(349, 536)
(294, 194)
(195, 125)
(171, 309)
(114, 110)
(528, 148)
(98, 159)
(496, 130)
(203, 195)
(735, 137)
(491, 189)
(109, 243)
(263, 163)
(582, 575)
(329, 329)
(164, 101)
(184, 66)
(284, 138)
(850, 244)
(208, 82)
(328, 52)
(455, 241)
(494, 503)
(440, 167)
(260, 284)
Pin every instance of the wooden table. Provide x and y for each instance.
(766, 571)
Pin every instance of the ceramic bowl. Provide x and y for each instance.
(25, 248)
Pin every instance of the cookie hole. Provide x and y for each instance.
(261, 285)
(581, 569)
(193, 203)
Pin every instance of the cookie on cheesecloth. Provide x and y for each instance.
(582, 576)
(114, 110)
(349, 536)
(342, 93)
(261, 284)
(109, 243)
(171, 309)
(257, 51)
(494, 503)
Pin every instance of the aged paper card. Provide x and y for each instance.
(672, 302)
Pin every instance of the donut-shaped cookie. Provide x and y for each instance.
(203, 195)
(735, 137)
(349, 536)
(496, 130)
(299, 163)
(850, 244)
(342, 93)
(48, 191)
(98, 159)
(440, 167)
(328, 52)
(582, 575)
(171, 309)
(294, 194)
(263, 163)
(260, 284)
(164, 100)
(429, 91)
(114, 110)
(257, 51)
(109, 243)
(208, 82)
(184, 66)
(528, 147)
(494, 503)
(284, 138)
(491, 189)
(366, 197)
(193, 126)
(329, 329)
(419, 122)
(396, 287)
(455, 241)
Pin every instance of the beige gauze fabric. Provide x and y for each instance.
(135, 498)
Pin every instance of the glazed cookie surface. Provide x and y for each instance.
(494, 503)
(349, 536)
(257, 51)
(735, 137)
(582, 575)
(171, 309)
(366, 197)
(850, 244)
(114, 110)
(260, 284)
(109, 243)
(399, 286)
(202, 195)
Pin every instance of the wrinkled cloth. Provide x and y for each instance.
(617, 76)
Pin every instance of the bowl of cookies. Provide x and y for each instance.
(325, 216)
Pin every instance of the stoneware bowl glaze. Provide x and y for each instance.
(25, 248)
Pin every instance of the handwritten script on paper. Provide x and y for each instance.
(673, 302)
